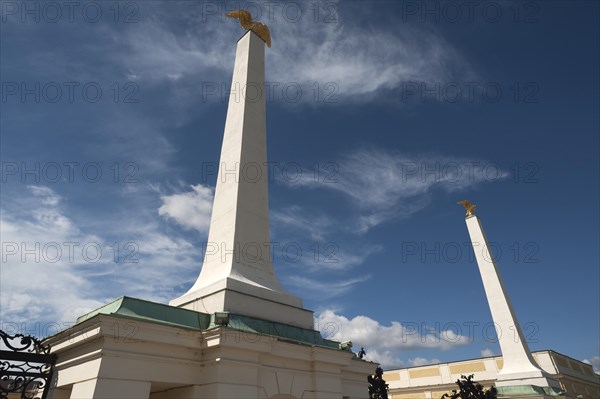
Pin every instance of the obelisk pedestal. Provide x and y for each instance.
(519, 377)
(237, 275)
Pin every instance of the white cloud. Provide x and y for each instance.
(37, 283)
(594, 361)
(399, 185)
(386, 358)
(47, 196)
(421, 361)
(191, 209)
(390, 360)
(487, 352)
(383, 343)
(49, 279)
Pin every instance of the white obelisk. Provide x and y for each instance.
(237, 275)
(519, 368)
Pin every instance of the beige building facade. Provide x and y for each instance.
(136, 349)
(576, 378)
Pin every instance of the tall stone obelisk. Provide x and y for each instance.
(237, 275)
(519, 374)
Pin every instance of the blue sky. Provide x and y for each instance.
(381, 117)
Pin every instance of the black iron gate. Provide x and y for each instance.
(26, 367)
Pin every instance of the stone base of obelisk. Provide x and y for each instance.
(234, 296)
(135, 349)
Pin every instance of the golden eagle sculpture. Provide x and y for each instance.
(247, 23)
(469, 207)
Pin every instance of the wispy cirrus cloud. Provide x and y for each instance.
(345, 258)
(322, 289)
(329, 251)
(398, 185)
(331, 58)
(317, 226)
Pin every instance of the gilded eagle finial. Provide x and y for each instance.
(247, 23)
(469, 207)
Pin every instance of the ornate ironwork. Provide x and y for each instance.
(378, 389)
(26, 366)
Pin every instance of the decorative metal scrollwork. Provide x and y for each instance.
(26, 366)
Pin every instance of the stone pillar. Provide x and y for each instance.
(519, 368)
(240, 215)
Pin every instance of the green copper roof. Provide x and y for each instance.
(169, 315)
(531, 390)
(285, 331)
(152, 312)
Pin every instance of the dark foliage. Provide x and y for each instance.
(378, 389)
(469, 389)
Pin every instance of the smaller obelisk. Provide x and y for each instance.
(519, 374)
